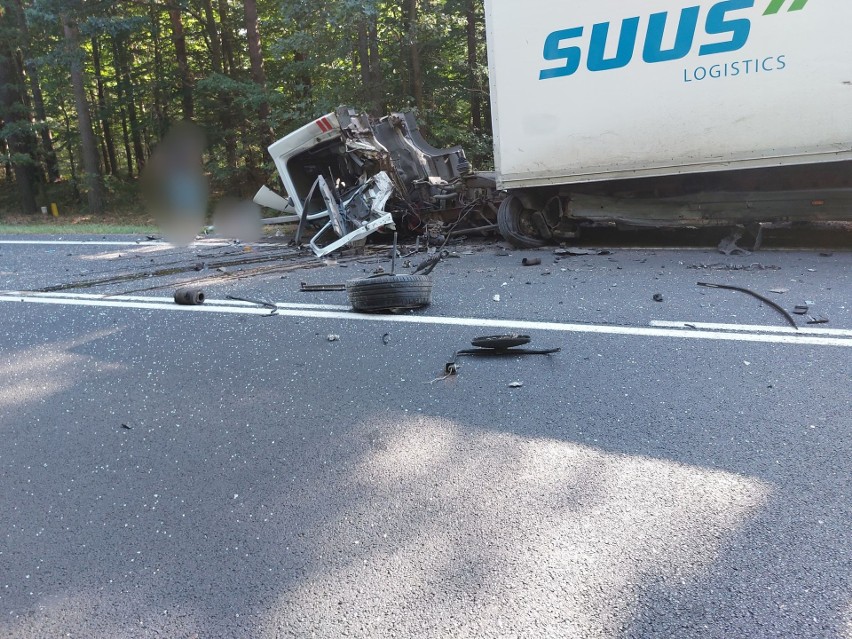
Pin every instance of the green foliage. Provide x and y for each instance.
(313, 64)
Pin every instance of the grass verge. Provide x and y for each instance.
(61, 228)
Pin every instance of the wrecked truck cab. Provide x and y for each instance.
(358, 176)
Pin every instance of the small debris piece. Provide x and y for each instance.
(333, 338)
(780, 291)
(826, 254)
(818, 320)
(763, 299)
(496, 298)
(502, 254)
(719, 266)
(189, 296)
(317, 288)
(126, 426)
(386, 339)
(801, 309)
(428, 265)
(575, 251)
(531, 261)
(728, 246)
(262, 303)
(500, 342)
(658, 297)
(516, 385)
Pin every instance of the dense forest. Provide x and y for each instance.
(88, 88)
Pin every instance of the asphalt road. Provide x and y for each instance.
(680, 469)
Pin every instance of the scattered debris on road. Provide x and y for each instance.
(658, 297)
(719, 266)
(763, 299)
(333, 338)
(801, 309)
(496, 345)
(576, 252)
(531, 261)
(516, 385)
(821, 319)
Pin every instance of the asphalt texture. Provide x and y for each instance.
(196, 474)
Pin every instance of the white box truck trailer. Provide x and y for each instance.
(669, 112)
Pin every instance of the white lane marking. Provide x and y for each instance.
(198, 243)
(85, 243)
(169, 300)
(754, 328)
(156, 304)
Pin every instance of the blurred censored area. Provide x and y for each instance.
(177, 192)
(175, 187)
(237, 220)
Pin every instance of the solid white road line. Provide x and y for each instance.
(169, 300)
(85, 243)
(197, 243)
(803, 330)
(216, 306)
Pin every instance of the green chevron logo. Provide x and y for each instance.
(776, 5)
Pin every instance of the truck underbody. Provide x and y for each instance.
(353, 176)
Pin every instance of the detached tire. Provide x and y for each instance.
(512, 218)
(389, 292)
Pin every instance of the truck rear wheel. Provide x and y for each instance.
(515, 223)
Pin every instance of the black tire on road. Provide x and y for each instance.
(387, 292)
(509, 220)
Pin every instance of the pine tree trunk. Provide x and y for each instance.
(377, 94)
(218, 63)
(414, 48)
(161, 109)
(179, 39)
(4, 151)
(110, 161)
(212, 36)
(29, 138)
(88, 143)
(258, 75)
(472, 57)
(13, 113)
(364, 61)
(121, 54)
(125, 133)
(50, 160)
(229, 63)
